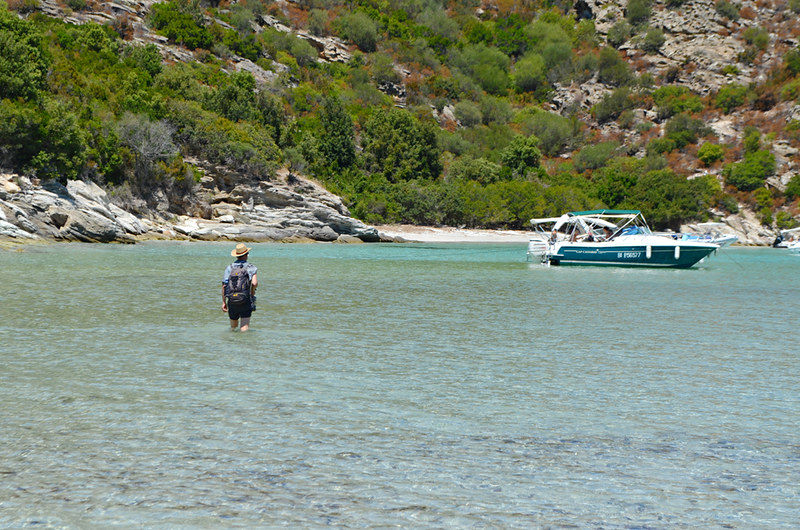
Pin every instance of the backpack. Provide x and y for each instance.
(238, 289)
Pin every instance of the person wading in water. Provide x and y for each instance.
(239, 288)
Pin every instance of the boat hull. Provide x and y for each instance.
(631, 255)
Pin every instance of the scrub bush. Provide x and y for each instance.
(727, 9)
(612, 69)
(731, 96)
(638, 11)
(619, 33)
(653, 41)
(612, 105)
(180, 27)
(674, 99)
(793, 187)
(710, 153)
(595, 156)
(751, 172)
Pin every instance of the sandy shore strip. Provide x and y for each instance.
(446, 234)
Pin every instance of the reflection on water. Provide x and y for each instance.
(410, 385)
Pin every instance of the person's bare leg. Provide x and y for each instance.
(245, 324)
(235, 324)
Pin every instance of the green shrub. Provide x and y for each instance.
(530, 74)
(619, 33)
(612, 105)
(752, 140)
(763, 198)
(756, 37)
(791, 61)
(730, 69)
(179, 27)
(731, 96)
(509, 35)
(661, 146)
(638, 11)
(793, 187)
(558, 59)
(765, 214)
(710, 153)
(612, 69)
(495, 110)
(727, 9)
(522, 155)
(23, 64)
(684, 130)
(555, 132)
(468, 113)
(595, 156)
(674, 99)
(318, 22)
(76, 5)
(653, 41)
(794, 6)
(147, 57)
(475, 169)
(784, 220)
(585, 67)
(750, 173)
(398, 147)
(360, 29)
(486, 66)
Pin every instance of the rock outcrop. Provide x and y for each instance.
(290, 208)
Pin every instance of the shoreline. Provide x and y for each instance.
(447, 234)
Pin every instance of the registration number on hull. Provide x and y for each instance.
(629, 255)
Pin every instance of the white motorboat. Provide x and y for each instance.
(610, 237)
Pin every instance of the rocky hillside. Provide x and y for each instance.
(703, 45)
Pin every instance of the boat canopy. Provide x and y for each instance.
(544, 220)
(606, 213)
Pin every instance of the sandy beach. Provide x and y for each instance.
(445, 234)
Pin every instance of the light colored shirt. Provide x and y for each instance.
(251, 270)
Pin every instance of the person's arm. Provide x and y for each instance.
(224, 300)
(254, 284)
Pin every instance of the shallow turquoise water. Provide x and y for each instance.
(412, 385)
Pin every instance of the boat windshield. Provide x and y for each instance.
(595, 225)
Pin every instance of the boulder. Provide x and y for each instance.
(91, 227)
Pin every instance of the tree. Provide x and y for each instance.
(235, 98)
(521, 155)
(362, 30)
(150, 141)
(530, 74)
(398, 147)
(62, 143)
(23, 63)
(337, 141)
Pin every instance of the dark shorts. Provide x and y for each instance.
(237, 311)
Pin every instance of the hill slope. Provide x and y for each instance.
(471, 115)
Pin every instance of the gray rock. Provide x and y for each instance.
(10, 231)
(92, 227)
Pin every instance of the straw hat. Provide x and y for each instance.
(240, 250)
